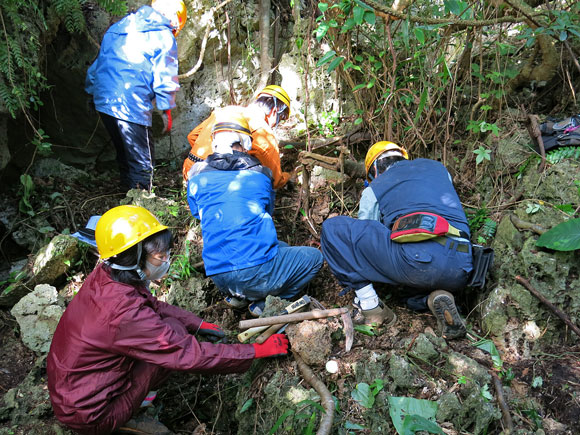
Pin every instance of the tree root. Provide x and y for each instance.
(506, 418)
(325, 397)
(562, 315)
(523, 225)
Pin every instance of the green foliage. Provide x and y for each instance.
(364, 394)
(22, 25)
(12, 280)
(476, 218)
(488, 228)
(534, 207)
(563, 237)
(562, 153)
(247, 404)
(294, 418)
(365, 329)
(71, 14)
(27, 188)
(181, 268)
(482, 127)
(21, 79)
(482, 154)
(507, 376)
(410, 415)
(486, 394)
(327, 123)
(489, 347)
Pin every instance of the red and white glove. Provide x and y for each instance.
(211, 331)
(167, 120)
(275, 345)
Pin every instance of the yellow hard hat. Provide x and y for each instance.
(277, 92)
(174, 10)
(122, 227)
(379, 148)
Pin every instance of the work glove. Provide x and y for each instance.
(167, 121)
(276, 345)
(211, 331)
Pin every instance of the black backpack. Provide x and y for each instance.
(563, 133)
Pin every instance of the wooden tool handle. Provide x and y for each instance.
(268, 332)
(289, 318)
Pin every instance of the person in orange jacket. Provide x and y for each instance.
(272, 106)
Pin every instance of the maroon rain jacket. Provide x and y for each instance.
(106, 329)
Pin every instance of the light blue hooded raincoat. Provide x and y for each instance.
(137, 64)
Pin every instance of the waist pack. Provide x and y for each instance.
(419, 226)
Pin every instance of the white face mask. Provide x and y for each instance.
(154, 272)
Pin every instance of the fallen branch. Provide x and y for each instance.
(351, 168)
(291, 318)
(536, 136)
(523, 225)
(325, 397)
(563, 316)
(351, 138)
(506, 418)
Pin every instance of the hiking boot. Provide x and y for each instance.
(376, 316)
(143, 424)
(255, 308)
(442, 305)
(238, 304)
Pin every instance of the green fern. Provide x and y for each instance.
(114, 7)
(488, 229)
(70, 12)
(22, 23)
(562, 153)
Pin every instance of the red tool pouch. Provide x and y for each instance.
(415, 227)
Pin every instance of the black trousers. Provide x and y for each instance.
(135, 151)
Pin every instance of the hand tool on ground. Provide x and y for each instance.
(347, 325)
(348, 331)
(294, 306)
(316, 304)
(278, 328)
(289, 318)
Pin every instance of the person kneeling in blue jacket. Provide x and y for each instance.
(411, 231)
(231, 194)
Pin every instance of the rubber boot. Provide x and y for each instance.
(442, 305)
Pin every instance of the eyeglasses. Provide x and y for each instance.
(160, 256)
(283, 115)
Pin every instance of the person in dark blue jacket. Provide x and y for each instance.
(411, 231)
(231, 194)
(136, 66)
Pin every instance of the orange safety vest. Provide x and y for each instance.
(264, 146)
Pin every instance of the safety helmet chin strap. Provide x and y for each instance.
(135, 267)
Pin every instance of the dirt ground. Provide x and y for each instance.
(559, 367)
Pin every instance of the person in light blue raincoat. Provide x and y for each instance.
(136, 67)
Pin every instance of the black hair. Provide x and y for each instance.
(158, 242)
(380, 165)
(268, 102)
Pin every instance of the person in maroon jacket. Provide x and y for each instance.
(116, 342)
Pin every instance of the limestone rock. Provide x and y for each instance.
(311, 340)
(38, 314)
